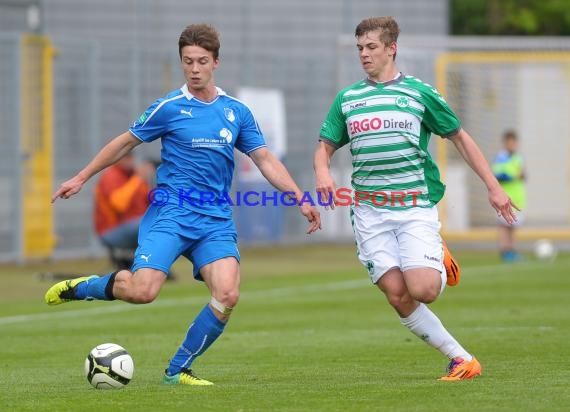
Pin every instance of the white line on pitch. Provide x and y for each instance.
(275, 292)
(122, 307)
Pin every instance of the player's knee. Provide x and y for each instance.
(143, 286)
(143, 297)
(426, 295)
(229, 298)
(224, 303)
(144, 294)
(399, 301)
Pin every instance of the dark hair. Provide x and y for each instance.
(387, 24)
(510, 134)
(203, 35)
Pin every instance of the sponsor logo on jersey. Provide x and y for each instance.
(230, 115)
(140, 120)
(225, 138)
(357, 105)
(187, 112)
(226, 134)
(376, 123)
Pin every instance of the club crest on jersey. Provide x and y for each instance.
(229, 114)
(402, 101)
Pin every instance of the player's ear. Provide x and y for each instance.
(393, 48)
(216, 62)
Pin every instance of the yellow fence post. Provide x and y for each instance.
(36, 142)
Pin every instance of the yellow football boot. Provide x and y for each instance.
(185, 377)
(63, 291)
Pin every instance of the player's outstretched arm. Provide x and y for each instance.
(108, 155)
(324, 182)
(276, 174)
(469, 150)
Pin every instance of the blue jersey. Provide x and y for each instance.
(198, 141)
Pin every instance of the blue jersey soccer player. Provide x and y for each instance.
(199, 126)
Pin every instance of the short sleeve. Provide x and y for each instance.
(152, 124)
(333, 129)
(250, 137)
(439, 118)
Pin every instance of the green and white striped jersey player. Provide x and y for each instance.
(387, 119)
(388, 127)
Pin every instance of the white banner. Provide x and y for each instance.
(268, 107)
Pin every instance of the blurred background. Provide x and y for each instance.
(75, 73)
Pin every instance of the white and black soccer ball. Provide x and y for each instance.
(545, 250)
(109, 366)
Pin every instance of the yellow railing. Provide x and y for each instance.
(443, 62)
(36, 142)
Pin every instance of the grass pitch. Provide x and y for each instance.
(310, 333)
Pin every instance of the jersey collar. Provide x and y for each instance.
(396, 79)
(190, 96)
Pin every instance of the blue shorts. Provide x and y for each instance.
(167, 232)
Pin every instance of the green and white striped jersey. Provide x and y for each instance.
(388, 126)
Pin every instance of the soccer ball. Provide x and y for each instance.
(109, 366)
(544, 249)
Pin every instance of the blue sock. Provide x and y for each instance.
(100, 288)
(202, 333)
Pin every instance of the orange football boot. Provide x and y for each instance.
(451, 266)
(460, 369)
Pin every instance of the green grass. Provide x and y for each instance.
(310, 333)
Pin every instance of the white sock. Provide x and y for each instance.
(425, 325)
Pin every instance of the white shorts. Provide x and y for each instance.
(403, 239)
